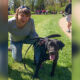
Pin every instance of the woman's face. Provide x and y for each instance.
(23, 19)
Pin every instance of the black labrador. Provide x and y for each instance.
(49, 51)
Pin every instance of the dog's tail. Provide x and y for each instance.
(50, 36)
(53, 35)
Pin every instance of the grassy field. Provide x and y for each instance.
(45, 25)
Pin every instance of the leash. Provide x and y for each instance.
(39, 38)
(27, 52)
(24, 58)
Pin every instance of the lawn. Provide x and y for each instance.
(45, 25)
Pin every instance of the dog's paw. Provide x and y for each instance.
(52, 74)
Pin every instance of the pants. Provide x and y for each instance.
(68, 18)
(17, 49)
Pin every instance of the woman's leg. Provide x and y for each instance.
(17, 50)
(69, 25)
(37, 50)
(69, 22)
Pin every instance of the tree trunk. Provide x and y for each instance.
(32, 5)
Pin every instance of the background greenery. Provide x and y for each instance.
(50, 5)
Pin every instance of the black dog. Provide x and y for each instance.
(49, 51)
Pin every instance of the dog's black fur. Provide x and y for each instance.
(50, 47)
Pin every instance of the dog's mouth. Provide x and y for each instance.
(52, 57)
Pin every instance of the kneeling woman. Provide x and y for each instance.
(22, 28)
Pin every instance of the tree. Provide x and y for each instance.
(29, 3)
(10, 3)
(17, 3)
(49, 4)
(40, 4)
(33, 5)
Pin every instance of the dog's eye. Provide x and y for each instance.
(52, 44)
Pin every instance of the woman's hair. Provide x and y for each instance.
(23, 10)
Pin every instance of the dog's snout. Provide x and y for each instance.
(53, 53)
(51, 49)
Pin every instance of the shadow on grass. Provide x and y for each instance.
(14, 74)
(61, 73)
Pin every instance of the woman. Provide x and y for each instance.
(68, 11)
(22, 29)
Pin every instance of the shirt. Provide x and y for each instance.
(20, 34)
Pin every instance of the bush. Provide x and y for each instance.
(11, 12)
(56, 7)
(32, 12)
(50, 8)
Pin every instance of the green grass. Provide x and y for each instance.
(10, 16)
(45, 25)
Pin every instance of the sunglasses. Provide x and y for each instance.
(21, 7)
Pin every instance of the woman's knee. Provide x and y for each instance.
(17, 52)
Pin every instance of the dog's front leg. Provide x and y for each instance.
(54, 66)
(37, 70)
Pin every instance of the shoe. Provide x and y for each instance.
(9, 49)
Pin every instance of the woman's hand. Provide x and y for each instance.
(41, 42)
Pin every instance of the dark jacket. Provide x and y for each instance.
(68, 9)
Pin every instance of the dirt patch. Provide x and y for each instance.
(63, 25)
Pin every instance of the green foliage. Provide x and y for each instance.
(50, 8)
(40, 4)
(11, 12)
(50, 5)
(59, 8)
(32, 12)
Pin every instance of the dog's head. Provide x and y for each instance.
(53, 46)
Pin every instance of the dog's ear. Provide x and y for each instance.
(60, 44)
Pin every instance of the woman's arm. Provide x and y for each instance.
(33, 33)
